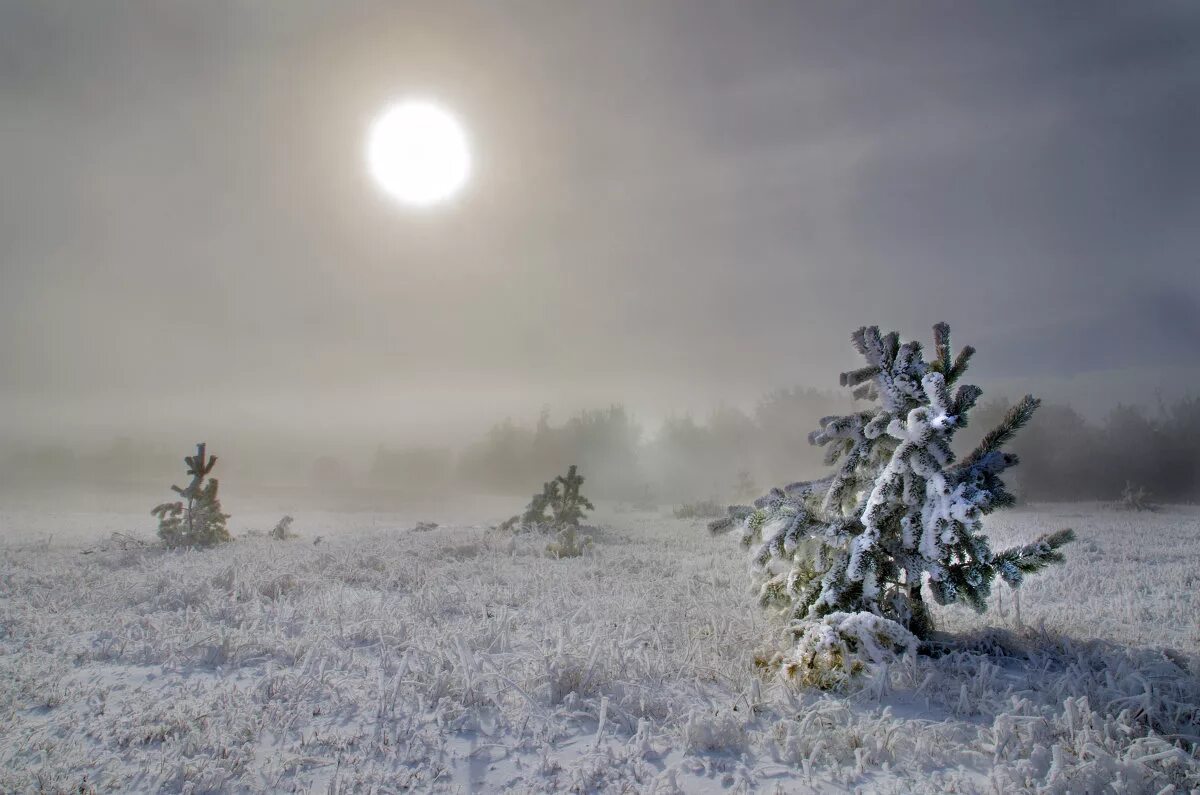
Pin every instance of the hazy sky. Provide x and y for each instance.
(673, 204)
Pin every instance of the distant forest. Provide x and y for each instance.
(1063, 456)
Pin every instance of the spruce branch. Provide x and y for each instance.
(964, 400)
(960, 364)
(941, 344)
(1016, 562)
(1003, 433)
(856, 377)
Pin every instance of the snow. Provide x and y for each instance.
(459, 659)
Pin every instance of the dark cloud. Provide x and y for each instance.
(675, 203)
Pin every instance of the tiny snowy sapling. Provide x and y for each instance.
(1136, 498)
(899, 512)
(197, 520)
(559, 506)
(282, 531)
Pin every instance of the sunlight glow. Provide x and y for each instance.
(418, 153)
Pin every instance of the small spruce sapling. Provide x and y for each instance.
(559, 506)
(198, 522)
(899, 513)
(1136, 498)
(282, 531)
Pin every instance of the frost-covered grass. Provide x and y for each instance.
(459, 659)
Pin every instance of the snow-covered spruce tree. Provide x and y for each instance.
(198, 522)
(899, 511)
(560, 505)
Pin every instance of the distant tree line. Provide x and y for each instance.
(1063, 456)
(604, 443)
(683, 460)
(122, 462)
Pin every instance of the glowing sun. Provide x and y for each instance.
(418, 153)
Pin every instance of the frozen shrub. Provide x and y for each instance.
(568, 544)
(717, 732)
(899, 514)
(704, 509)
(831, 651)
(197, 520)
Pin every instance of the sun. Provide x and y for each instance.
(418, 153)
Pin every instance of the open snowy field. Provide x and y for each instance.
(459, 659)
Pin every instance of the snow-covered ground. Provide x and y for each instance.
(384, 660)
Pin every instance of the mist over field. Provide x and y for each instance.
(670, 209)
(537, 396)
